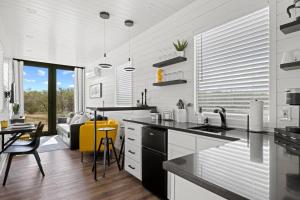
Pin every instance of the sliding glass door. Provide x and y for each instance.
(48, 93)
(36, 94)
(64, 92)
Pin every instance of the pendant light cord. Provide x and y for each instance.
(104, 39)
(129, 35)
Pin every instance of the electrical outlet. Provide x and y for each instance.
(285, 113)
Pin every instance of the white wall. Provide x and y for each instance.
(286, 79)
(147, 47)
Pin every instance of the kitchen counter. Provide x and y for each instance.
(232, 135)
(251, 166)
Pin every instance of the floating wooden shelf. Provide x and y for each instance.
(290, 27)
(170, 62)
(290, 66)
(173, 82)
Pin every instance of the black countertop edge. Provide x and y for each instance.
(184, 130)
(120, 108)
(202, 183)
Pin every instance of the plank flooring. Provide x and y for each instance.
(67, 178)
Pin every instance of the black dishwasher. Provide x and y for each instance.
(154, 153)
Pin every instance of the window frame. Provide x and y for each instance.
(271, 70)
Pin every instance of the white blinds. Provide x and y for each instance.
(232, 64)
(123, 87)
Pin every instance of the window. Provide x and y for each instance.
(1, 81)
(232, 64)
(123, 87)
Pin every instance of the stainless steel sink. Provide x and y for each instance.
(212, 129)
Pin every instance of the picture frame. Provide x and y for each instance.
(95, 90)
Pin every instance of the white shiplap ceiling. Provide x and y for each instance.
(70, 31)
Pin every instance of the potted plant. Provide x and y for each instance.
(15, 109)
(180, 46)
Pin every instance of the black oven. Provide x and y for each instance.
(154, 153)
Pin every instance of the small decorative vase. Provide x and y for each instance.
(180, 53)
(159, 75)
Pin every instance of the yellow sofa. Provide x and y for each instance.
(86, 136)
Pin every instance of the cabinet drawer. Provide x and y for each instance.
(133, 167)
(133, 151)
(208, 142)
(188, 190)
(132, 138)
(185, 140)
(133, 133)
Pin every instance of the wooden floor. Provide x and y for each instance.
(67, 178)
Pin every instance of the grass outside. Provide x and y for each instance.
(38, 117)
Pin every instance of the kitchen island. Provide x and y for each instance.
(246, 166)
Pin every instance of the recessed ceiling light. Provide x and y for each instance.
(29, 36)
(31, 11)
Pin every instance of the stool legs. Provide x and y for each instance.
(106, 154)
(98, 151)
(113, 147)
(121, 153)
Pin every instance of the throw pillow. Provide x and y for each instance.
(75, 118)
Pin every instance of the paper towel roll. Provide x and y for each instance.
(256, 116)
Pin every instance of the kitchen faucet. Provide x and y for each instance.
(222, 113)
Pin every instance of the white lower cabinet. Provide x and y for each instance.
(183, 143)
(204, 142)
(133, 149)
(187, 190)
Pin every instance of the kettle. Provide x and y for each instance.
(296, 7)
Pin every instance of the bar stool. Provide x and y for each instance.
(106, 142)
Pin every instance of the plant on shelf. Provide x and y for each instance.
(15, 109)
(180, 46)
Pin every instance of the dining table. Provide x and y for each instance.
(15, 134)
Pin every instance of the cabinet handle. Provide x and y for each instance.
(131, 139)
(131, 167)
(151, 134)
(131, 152)
(131, 128)
(293, 138)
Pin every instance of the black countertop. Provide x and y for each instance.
(120, 108)
(232, 135)
(254, 166)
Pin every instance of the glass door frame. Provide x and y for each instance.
(51, 91)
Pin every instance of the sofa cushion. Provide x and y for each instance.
(63, 128)
(75, 118)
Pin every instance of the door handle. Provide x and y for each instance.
(131, 167)
(131, 139)
(131, 152)
(131, 128)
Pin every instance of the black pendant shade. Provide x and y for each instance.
(105, 65)
(129, 23)
(104, 15)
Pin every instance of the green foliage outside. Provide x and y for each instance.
(37, 101)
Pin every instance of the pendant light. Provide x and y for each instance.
(129, 67)
(104, 65)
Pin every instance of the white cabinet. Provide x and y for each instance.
(133, 149)
(183, 143)
(187, 190)
(204, 142)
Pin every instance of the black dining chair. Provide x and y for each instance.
(26, 142)
(25, 149)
